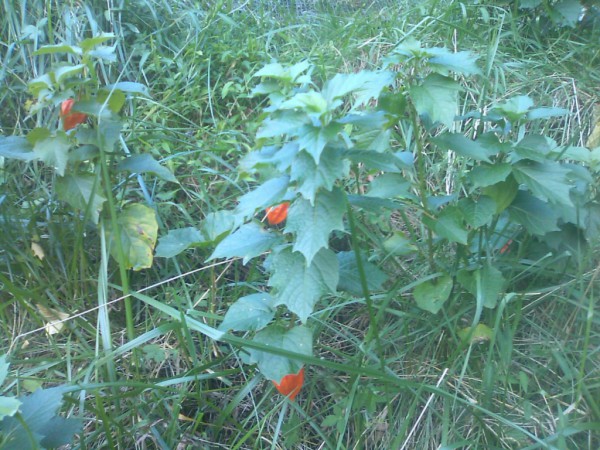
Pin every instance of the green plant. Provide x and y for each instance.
(512, 188)
(31, 422)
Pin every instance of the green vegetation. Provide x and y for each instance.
(429, 282)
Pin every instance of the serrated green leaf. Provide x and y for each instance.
(130, 87)
(503, 193)
(60, 48)
(365, 85)
(146, 163)
(432, 294)
(386, 162)
(349, 279)
(90, 43)
(138, 232)
(450, 225)
(216, 224)
(16, 147)
(314, 139)
(464, 147)
(390, 185)
(281, 123)
(177, 241)
(312, 225)
(487, 175)
(8, 406)
(311, 177)
(77, 191)
(478, 213)
(298, 340)
(311, 102)
(399, 244)
(249, 313)
(264, 196)
(298, 286)
(54, 151)
(515, 108)
(279, 157)
(443, 60)
(436, 98)
(64, 72)
(534, 214)
(485, 284)
(249, 241)
(533, 147)
(547, 180)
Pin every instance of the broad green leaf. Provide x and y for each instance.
(60, 48)
(54, 151)
(78, 191)
(365, 85)
(146, 163)
(480, 333)
(489, 174)
(312, 178)
(533, 147)
(114, 98)
(386, 162)
(104, 52)
(272, 70)
(216, 224)
(515, 108)
(264, 196)
(546, 113)
(3, 369)
(566, 12)
(312, 225)
(464, 147)
(279, 157)
(534, 214)
(311, 102)
(138, 232)
(400, 245)
(349, 280)
(8, 406)
(298, 286)
(487, 290)
(432, 294)
(314, 139)
(393, 103)
(249, 313)
(16, 147)
(390, 185)
(547, 180)
(177, 241)
(503, 193)
(478, 213)
(64, 72)
(450, 225)
(443, 60)
(298, 340)
(249, 241)
(436, 98)
(90, 43)
(130, 87)
(281, 123)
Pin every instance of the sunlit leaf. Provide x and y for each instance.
(432, 294)
(480, 333)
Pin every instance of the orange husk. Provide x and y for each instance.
(277, 214)
(291, 384)
(70, 119)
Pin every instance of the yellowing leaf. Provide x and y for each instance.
(37, 250)
(481, 333)
(54, 319)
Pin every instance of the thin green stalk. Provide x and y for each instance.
(119, 245)
(422, 181)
